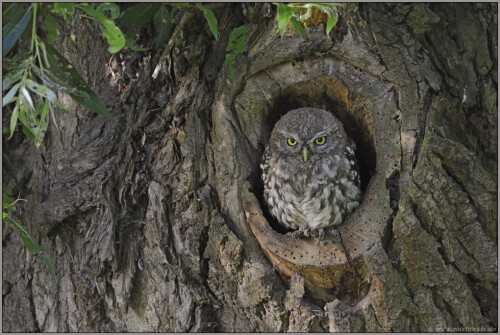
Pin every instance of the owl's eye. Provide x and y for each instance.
(291, 141)
(320, 140)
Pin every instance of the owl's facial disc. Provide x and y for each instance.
(307, 150)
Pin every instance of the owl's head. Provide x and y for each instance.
(304, 136)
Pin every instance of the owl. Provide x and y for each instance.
(310, 174)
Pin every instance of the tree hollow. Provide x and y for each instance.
(363, 104)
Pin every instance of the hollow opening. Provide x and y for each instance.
(329, 94)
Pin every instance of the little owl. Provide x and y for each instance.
(310, 174)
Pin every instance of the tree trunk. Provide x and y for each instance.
(148, 221)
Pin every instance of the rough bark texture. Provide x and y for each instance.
(144, 219)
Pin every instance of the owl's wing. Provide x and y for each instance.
(354, 176)
(351, 144)
(264, 165)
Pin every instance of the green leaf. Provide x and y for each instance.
(32, 247)
(7, 199)
(27, 96)
(66, 75)
(8, 97)
(11, 79)
(10, 10)
(332, 21)
(45, 111)
(66, 9)
(284, 16)
(250, 10)
(163, 25)
(50, 26)
(37, 70)
(298, 28)
(305, 26)
(114, 35)
(22, 228)
(28, 133)
(60, 7)
(27, 239)
(44, 121)
(307, 14)
(113, 9)
(237, 39)
(25, 236)
(13, 120)
(41, 90)
(12, 31)
(44, 52)
(138, 15)
(61, 105)
(51, 83)
(181, 5)
(211, 19)
(14, 224)
(8, 26)
(22, 109)
(230, 60)
(53, 117)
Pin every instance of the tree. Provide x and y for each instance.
(146, 220)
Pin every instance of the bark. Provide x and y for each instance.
(148, 221)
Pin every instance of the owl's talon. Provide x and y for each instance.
(321, 233)
(293, 234)
(299, 232)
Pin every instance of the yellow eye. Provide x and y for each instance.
(320, 140)
(291, 141)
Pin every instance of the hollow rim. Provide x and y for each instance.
(368, 100)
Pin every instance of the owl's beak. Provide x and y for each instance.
(305, 152)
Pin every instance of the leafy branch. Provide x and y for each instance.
(294, 13)
(32, 76)
(8, 206)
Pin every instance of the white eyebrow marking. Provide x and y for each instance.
(287, 134)
(320, 134)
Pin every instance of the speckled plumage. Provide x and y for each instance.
(313, 190)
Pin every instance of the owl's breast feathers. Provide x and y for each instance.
(315, 197)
